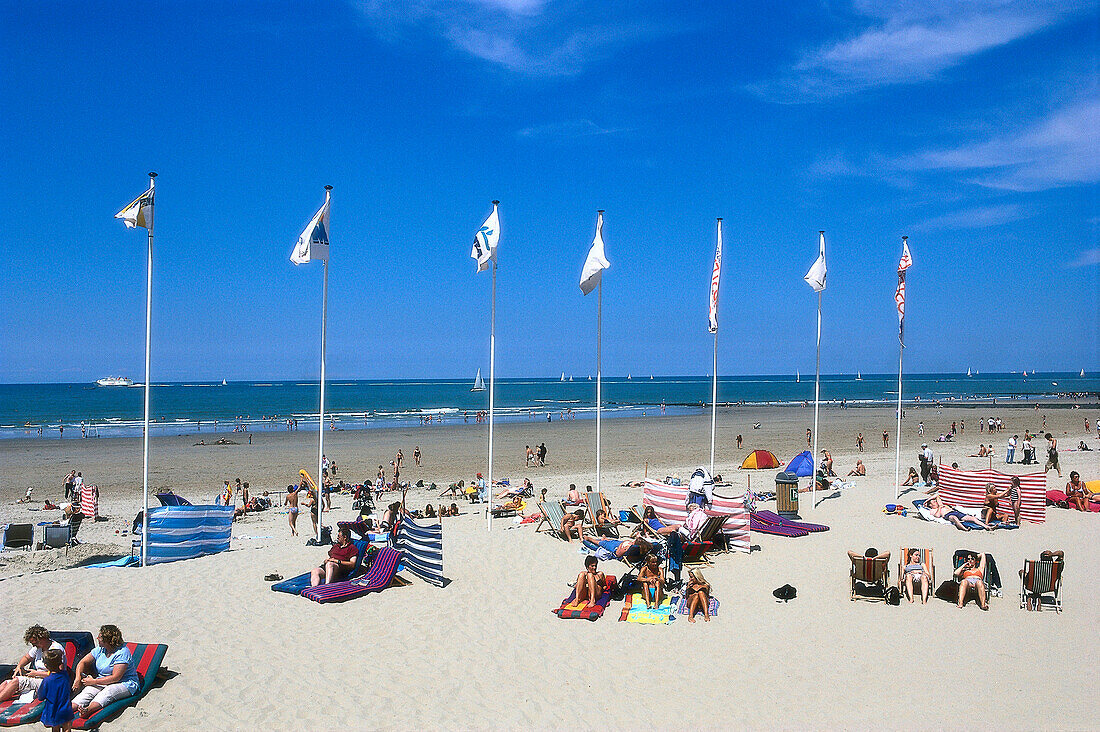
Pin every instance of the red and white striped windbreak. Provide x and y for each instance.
(966, 489)
(89, 501)
(670, 504)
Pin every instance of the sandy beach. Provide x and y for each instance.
(486, 652)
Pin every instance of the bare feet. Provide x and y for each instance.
(691, 618)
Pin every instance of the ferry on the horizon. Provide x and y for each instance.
(115, 381)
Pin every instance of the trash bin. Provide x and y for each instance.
(786, 495)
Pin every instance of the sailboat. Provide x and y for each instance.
(223, 383)
(570, 377)
(628, 377)
(859, 376)
(797, 376)
(968, 371)
(1082, 373)
(1025, 372)
(563, 376)
(479, 383)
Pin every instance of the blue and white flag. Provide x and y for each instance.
(485, 241)
(313, 243)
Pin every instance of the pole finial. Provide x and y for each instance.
(496, 203)
(152, 174)
(599, 210)
(905, 238)
(328, 188)
(719, 218)
(821, 231)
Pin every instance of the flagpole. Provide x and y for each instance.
(817, 404)
(321, 409)
(492, 384)
(897, 436)
(599, 377)
(148, 342)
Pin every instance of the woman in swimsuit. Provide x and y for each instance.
(571, 522)
(913, 478)
(1012, 494)
(697, 593)
(971, 574)
(916, 575)
(652, 581)
(649, 518)
(1076, 493)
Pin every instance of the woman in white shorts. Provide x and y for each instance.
(31, 669)
(115, 674)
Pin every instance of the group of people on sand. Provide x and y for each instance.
(105, 675)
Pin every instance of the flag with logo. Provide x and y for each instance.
(715, 278)
(816, 276)
(899, 295)
(596, 262)
(313, 243)
(138, 212)
(485, 241)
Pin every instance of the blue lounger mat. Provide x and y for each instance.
(120, 562)
(296, 585)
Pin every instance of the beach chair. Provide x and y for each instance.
(148, 658)
(925, 559)
(18, 536)
(872, 575)
(775, 519)
(55, 537)
(552, 514)
(297, 585)
(697, 549)
(381, 574)
(763, 527)
(1041, 583)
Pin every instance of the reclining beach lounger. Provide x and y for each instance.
(776, 520)
(296, 585)
(570, 610)
(77, 644)
(379, 578)
(762, 527)
(149, 657)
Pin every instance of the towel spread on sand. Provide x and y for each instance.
(679, 605)
(635, 611)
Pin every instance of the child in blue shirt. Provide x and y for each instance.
(55, 691)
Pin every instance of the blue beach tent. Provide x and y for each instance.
(801, 464)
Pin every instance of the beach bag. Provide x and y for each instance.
(893, 596)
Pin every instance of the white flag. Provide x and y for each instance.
(313, 243)
(596, 262)
(139, 212)
(485, 241)
(816, 276)
(715, 278)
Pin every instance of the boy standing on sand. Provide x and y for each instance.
(56, 692)
(292, 511)
(885, 438)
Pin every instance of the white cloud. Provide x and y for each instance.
(1088, 258)
(1060, 150)
(976, 218)
(521, 36)
(905, 42)
(568, 129)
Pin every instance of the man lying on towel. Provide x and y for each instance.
(340, 562)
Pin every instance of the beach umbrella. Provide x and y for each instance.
(760, 460)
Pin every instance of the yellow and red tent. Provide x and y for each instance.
(760, 459)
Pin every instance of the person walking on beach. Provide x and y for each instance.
(291, 503)
(1052, 455)
(70, 479)
(920, 429)
(926, 462)
(859, 442)
(381, 477)
(809, 437)
(542, 455)
(1010, 453)
(885, 438)
(739, 441)
(416, 455)
(399, 458)
(529, 456)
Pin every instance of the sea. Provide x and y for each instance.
(75, 411)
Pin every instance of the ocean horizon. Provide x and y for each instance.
(199, 407)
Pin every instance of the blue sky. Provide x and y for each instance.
(969, 127)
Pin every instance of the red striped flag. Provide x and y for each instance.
(899, 295)
(715, 278)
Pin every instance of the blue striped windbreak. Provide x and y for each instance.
(186, 532)
(423, 549)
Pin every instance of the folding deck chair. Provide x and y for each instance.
(18, 536)
(926, 560)
(872, 573)
(1041, 583)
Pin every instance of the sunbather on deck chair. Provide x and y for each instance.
(606, 525)
(654, 524)
(636, 547)
(916, 577)
(341, 560)
(971, 574)
(652, 580)
(571, 522)
(591, 583)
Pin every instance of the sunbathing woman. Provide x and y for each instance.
(1076, 493)
(913, 478)
(916, 576)
(633, 548)
(860, 469)
(571, 522)
(697, 593)
(591, 583)
(389, 516)
(948, 512)
(649, 518)
(972, 574)
(652, 580)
